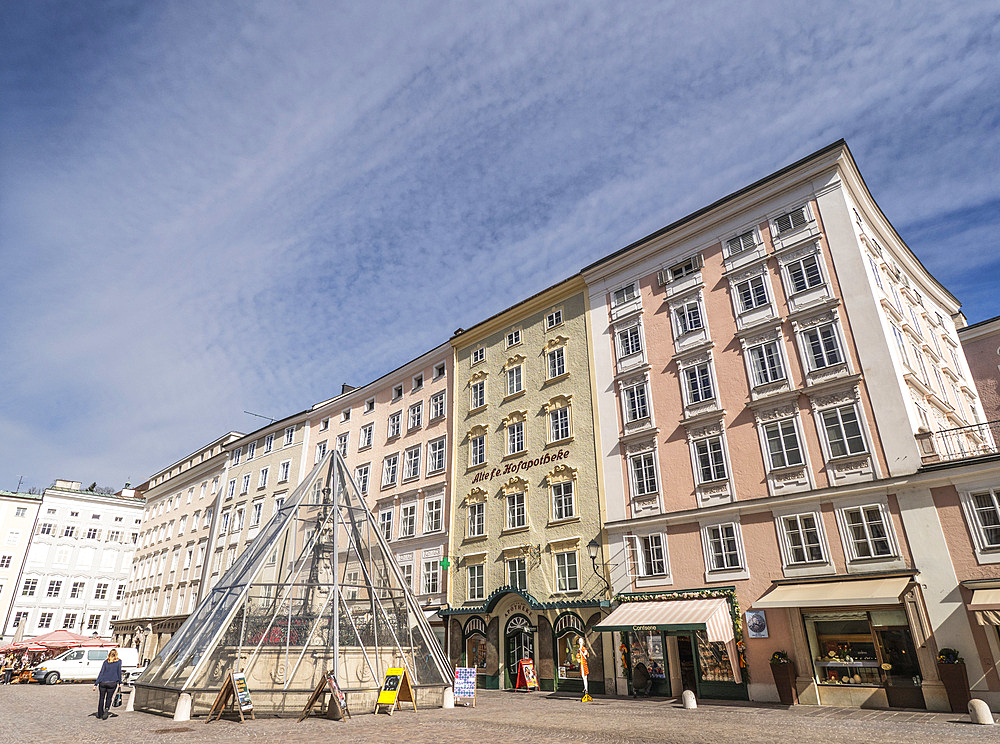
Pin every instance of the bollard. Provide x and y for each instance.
(183, 710)
(130, 705)
(979, 712)
(688, 699)
(449, 698)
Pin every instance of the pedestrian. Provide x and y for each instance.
(107, 682)
(8, 668)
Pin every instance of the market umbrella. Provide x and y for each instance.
(61, 639)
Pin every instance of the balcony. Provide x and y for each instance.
(962, 443)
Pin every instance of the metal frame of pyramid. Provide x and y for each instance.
(318, 590)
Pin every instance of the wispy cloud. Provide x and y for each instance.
(206, 209)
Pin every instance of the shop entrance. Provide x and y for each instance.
(519, 642)
(686, 663)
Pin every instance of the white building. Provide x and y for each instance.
(78, 561)
(17, 519)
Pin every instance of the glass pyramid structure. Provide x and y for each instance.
(317, 591)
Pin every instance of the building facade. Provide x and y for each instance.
(17, 517)
(78, 562)
(166, 573)
(773, 371)
(981, 342)
(527, 500)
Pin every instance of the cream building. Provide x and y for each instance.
(17, 521)
(527, 500)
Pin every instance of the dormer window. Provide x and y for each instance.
(685, 268)
(625, 294)
(791, 220)
(743, 242)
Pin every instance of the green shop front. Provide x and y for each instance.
(669, 642)
(512, 625)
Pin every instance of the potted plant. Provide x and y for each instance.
(783, 671)
(951, 669)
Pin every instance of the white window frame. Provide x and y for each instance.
(987, 551)
(476, 581)
(789, 560)
(818, 335)
(408, 519)
(415, 416)
(513, 338)
(289, 436)
(702, 447)
(755, 289)
(478, 355)
(650, 470)
(477, 450)
(437, 406)
(436, 455)
(366, 436)
(566, 580)
(560, 427)
(698, 382)
(710, 537)
(516, 510)
(767, 363)
(517, 568)
(635, 402)
(431, 576)
(821, 415)
(434, 515)
(629, 341)
(514, 436)
(514, 379)
(394, 425)
(362, 477)
(343, 442)
(476, 523)
(284, 470)
(624, 294)
(385, 523)
(800, 264)
(783, 433)
(848, 535)
(553, 319)
(555, 363)
(411, 463)
(741, 242)
(642, 560)
(558, 496)
(390, 470)
(477, 395)
(689, 317)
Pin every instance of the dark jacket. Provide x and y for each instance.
(111, 673)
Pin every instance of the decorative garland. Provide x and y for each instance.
(728, 593)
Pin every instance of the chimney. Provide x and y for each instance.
(68, 484)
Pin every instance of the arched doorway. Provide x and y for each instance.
(519, 642)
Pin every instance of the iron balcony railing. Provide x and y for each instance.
(961, 443)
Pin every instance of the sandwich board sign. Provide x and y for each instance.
(526, 678)
(235, 689)
(395, 690)
(465, 684)
(337, 707)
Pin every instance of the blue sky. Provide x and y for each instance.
(212, 207)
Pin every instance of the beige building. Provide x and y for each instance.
(17, 521)
(165, 583)
(394, 435)
(527, 498)
(981, 342)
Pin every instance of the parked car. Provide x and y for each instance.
(82, 664)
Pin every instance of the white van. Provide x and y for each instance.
(82, 664)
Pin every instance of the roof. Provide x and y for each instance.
(21, 495)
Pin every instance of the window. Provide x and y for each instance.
(320, 451)
(20, 511)
(342, 440)
(268, 446)
(418, 382)
(245, 487)
(361, 477)
(238, 519)
(477, 519)
(256, 512)
(562, 501)
(93, 534)
(553, 319)
(765, 363)
(370, 405)
(408, 520)
(407, 571)
(635, 403)
(643, 474)
(19, 617)
(479, 355)
(688, 317)
(283, 471)
(782, 444)
(517, 573)
(5, 561)
(324, 424)
(433, 515)
(101, 591)
(559, 424)
(385, 524)
(751, 293)
(432, 577)
(365, 438)
(251, 451)
(68, 532)
(803, 539)
(477, 581)
(69, 620)
(515, 437)
(625, 294)
(437, 406)
(93, 623)
(477, 450)
(685, 268)
(517, 517)
(262, 479)
(439, 370)
(986, 513)
(237, 455)
(711, 461)
(822, 346)
(416, 417)
(45, 620)
(556, 362)
(478, 390)
(55, 587)
(514, 337)
(411, 463)
(629, 341)
(843, 431)
(567, 576)
(389, 467)
(868, 536)
(723, 547)
(395, 421)
(514, 382)
(345, 415)
(46, 528)
(743, 242)
(435, 455)
(790, 220)
(224, 523)
(647, 554)
(698, 383)
(289, 435)
(76, 591)
(804, 274)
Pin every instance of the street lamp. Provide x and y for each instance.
(593, 549)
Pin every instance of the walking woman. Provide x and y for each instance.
(107, 682)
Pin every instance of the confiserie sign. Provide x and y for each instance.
(521, 465)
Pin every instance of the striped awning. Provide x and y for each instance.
(985, 605)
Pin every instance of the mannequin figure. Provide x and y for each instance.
(581, 657)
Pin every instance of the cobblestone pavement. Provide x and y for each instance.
(65, 713)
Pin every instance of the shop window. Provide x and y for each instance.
(713, 659)
(646, 648)
(569, 630)
(475, 643)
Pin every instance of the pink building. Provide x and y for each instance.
(981, 342)
(788, 429)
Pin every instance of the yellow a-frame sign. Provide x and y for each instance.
(395, 690)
